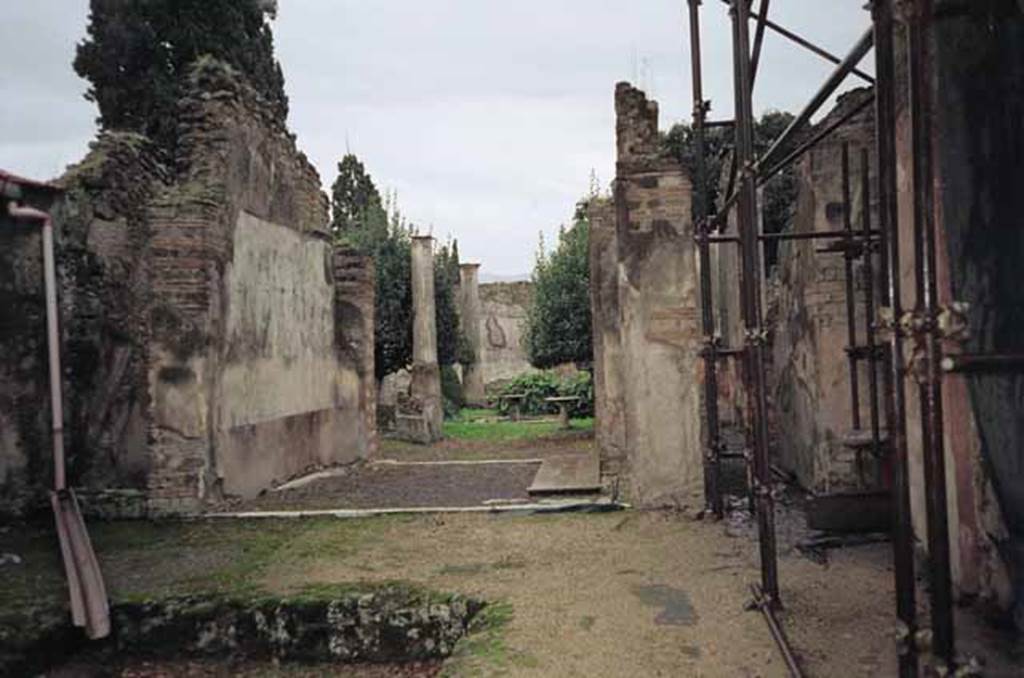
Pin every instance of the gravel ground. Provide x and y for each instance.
(140, 668)
(403, 486)
(624, 594)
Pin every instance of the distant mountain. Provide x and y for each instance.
(495, 277)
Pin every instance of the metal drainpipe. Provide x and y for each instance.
(52, 337)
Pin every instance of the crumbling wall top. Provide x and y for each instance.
(636, 125)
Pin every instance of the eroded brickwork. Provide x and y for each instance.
(216, 340)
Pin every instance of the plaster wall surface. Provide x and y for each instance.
(658, 312)
(285, 401)
(503, 311)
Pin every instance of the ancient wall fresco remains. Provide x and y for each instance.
(503, 310)
(210, 350)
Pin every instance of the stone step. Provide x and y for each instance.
(568, 473)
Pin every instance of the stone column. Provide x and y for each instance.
(426, 375)
(470, 316)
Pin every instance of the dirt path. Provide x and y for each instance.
(623, 594)
(402, 486)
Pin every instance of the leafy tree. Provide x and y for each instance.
(558, 321)
(446, 280)
(381, 231)
(779, 202)
(353, 194)
(138, 51)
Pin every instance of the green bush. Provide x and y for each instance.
(537, 386)
(451, 392)
(581, 386)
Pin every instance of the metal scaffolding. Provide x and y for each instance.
(883, 346)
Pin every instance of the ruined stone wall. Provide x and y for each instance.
(25, 466)
(503, 310)
(100, 236)
(215, 339)
(655, 274)
(248, 384)
(810, 380)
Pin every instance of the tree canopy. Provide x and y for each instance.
(353, 195)
(137, 53)
(378, 229)
(558, 321)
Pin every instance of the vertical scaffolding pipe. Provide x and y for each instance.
(851, 289)
(751, 299)
(895, 402)
(712, 457)
(927, 335)
(869, 304)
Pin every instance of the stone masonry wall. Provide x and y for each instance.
(215, 340)
(656, 313)
(810, 382)
(248, 386)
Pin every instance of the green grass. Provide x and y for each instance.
(483, 651)
(486, 425)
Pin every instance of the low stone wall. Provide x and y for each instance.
(380, 624)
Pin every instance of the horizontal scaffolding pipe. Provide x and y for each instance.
(984, 362)
(804, 235)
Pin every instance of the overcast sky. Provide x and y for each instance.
(486, 117)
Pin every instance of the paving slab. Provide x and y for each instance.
(567, 473)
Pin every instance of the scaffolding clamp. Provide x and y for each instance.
(952, 322)
(756, 336)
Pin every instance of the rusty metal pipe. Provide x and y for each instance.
(763, 604)
(974, 363)
(869, 305)
(929, 341)
(751, 295)
(883, 25)
(802, 119)
(850, 288)
(712, 459)
(806, 44)
(52, 336)
(88, 595)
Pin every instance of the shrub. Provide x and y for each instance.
(537, 386)
(451, 392)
